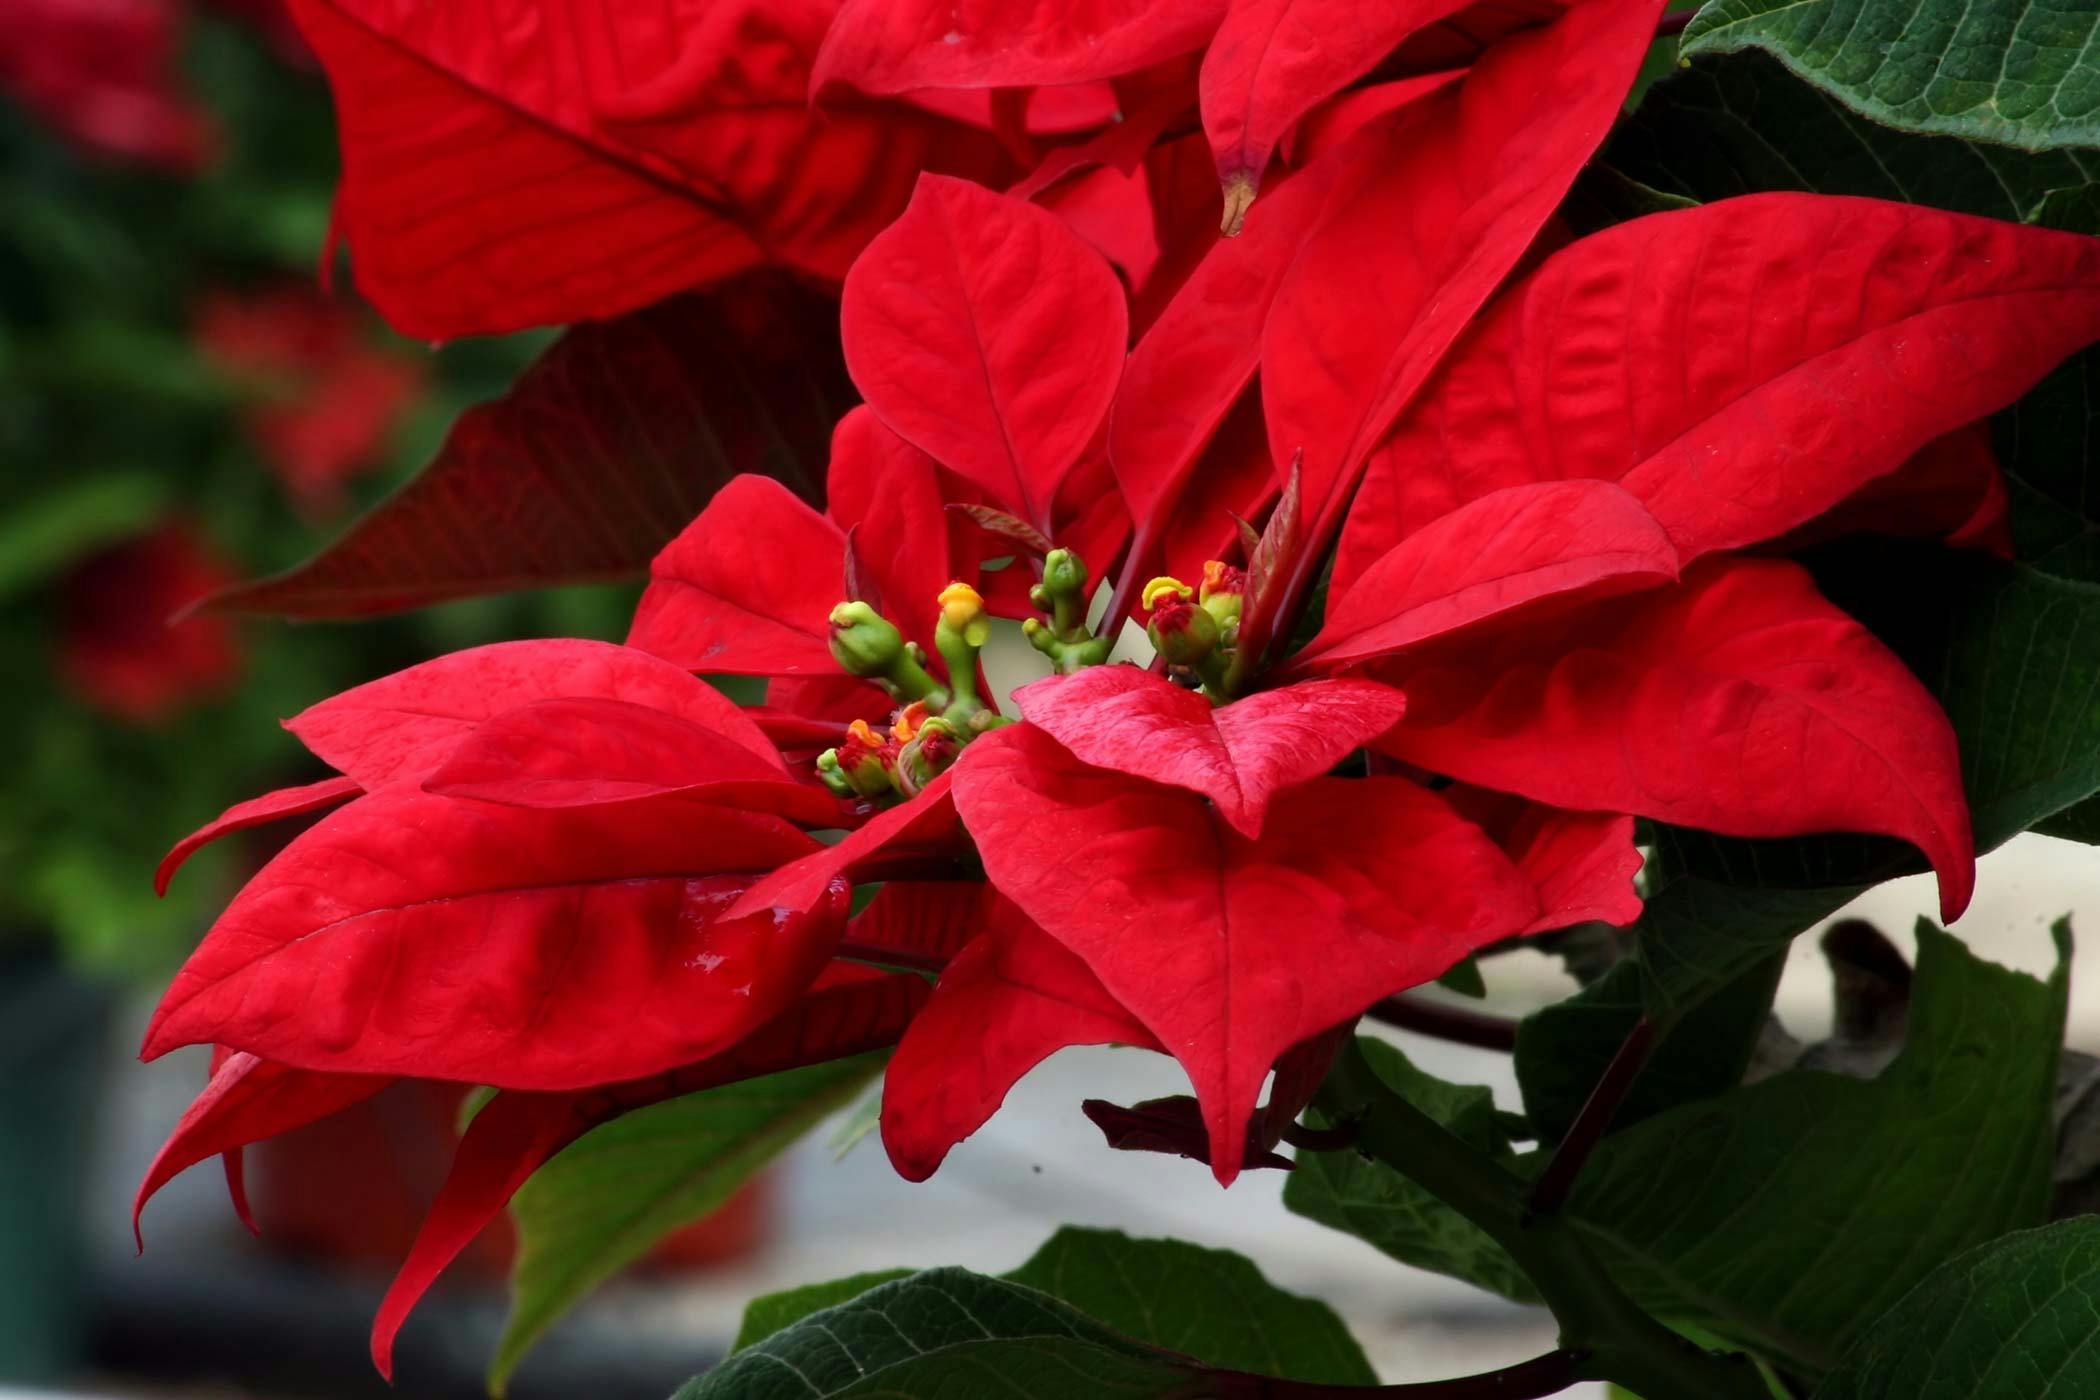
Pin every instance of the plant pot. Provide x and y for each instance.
(54, 1044)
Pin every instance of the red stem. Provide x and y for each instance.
(1595, 1116)
(1453, 1023)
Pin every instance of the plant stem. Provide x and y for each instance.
(1453, 1023)
(1593, 1118)
(1612, 1336)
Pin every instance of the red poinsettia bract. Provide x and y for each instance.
(575, 872)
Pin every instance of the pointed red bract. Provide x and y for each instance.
(1950, 489)
(590, 752)
(924, 827)
(1732, 421)
(596, 458)
(849, 1012)
(1740, 702)
(544, 949)
(1378, 883)
(671, 152)
(894, 46)
(256, 811)
(748, 588)
(1424, 229)
(1582, 863)
(986, 333)
(246, 1101)
(1492, 555)
(1240, 756)
(1273, 60)
(1006, 1003)
(404, 725)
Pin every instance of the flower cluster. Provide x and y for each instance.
(1513, 584)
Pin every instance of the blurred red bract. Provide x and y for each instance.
(118, 648)
(105, 73)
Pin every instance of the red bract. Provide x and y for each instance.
(415, 934)
(893, 46)
(983, 331)
(325, 400)
(1240, 756)
(499, 176)
(105, 73)
(850, 1011)
(1742, 397)
(1740, 702)
(1381, 885)
(1424, 225)
(120, 646)
(1273, 60)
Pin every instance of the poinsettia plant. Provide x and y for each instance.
(1545, 527)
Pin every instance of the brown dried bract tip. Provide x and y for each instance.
(1239, 196)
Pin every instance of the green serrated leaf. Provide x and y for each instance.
(2049, 445)
(2016, 1319)
(776, 1312)
(2009, 71)
(1738, 124)
(2080, 823)
(606, 1199)
(1211, 1304)
(1350, 1193)
(1790, 1214)
(944, 1334)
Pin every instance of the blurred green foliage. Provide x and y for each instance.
(112, 422)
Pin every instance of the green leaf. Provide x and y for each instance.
(1211, 1304)
(944, 1334)
(2017, 1319)
(1789, 1214)
(1464, 978)
(606, 1199)
(2079, 823)
(2074, 210)
(2009, 71)
(1741, 124)
(1348, 1192)
(776, 1312)
(864, 1119)
(1563, 1049)
(2049, 445)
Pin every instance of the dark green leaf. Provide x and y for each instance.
(945, 1334)
(2017, 1319)
(2049, 445)
(2009, 71)
(776, 1312)
(2080, 823)
(606, 1199)
(2074, 210)
(1741, 124)
(1211, 1304)
(1350, 1193)
(1789, 1214)
(1563, 1049)
(1464, 978)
